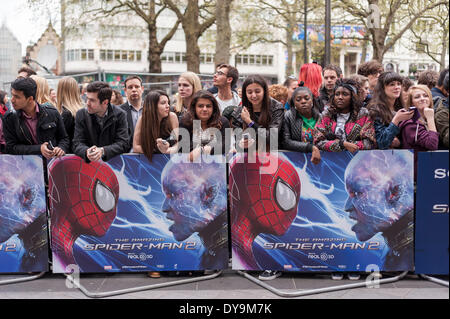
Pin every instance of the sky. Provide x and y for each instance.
(21, 21)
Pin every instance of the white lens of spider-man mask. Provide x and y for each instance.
(104, 197)
(285, 195)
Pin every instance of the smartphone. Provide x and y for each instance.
(246, 136)
(50, 146)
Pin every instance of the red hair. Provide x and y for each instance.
(311, 75)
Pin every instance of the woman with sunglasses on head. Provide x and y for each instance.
(299, 122)
(205, 125)
(387, 111)
(345, 124)
(258, 110)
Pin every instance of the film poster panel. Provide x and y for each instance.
(350, 212)
(131, 215)
(23, 215)
(432, 240)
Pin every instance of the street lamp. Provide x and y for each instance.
(327, 32)
(305, 27)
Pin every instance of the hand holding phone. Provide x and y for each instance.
(50, 146)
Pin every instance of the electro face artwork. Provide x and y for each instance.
(196, 202)
(380, 191)
(188, 187)
(23, 214)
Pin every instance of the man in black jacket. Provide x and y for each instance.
(133, 106)
(101, 129)
(33, 129)
(331, 73)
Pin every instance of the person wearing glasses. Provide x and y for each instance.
(224, 79)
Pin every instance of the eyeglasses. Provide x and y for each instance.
(220, 73)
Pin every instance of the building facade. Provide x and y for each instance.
(10, 56)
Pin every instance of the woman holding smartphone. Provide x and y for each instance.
(387, 111)
(419, 133)
(258, 110)
(157, 129)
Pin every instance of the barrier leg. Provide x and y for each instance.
(300, 293)
(22, 279)
(91, 294)
(435, 280)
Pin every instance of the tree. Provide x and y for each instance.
(431, 34)
(102, 11)
(387, 20)
(195, 20)
(223, 33)
(272, 21)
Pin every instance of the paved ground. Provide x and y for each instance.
(228, 285)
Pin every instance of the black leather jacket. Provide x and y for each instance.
(276, 122)
(50, 127)
(292, 132)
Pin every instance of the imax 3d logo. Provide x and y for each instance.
(441, 173)
(440, 209)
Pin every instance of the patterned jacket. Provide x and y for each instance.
(360, 132)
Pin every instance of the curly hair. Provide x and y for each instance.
(429, 78)
(355, 105)
(278, 92)
(370, 68)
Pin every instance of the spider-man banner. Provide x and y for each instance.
(350, 212)
(432, 240)
(23, 219)
(131, 215)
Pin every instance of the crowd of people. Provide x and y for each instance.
(321, 111)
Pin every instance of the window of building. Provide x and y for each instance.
(80, 55)
(251, 59)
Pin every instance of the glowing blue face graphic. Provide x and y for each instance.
(21, 194)
(380, 190)
(195, 196)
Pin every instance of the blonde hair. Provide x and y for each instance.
(68, 95)
(43, 90)
(196, 84)
(419, 87)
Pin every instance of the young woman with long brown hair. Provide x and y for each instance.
(387, 111)
(258, 110)
(205, 137)
(157, 129)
